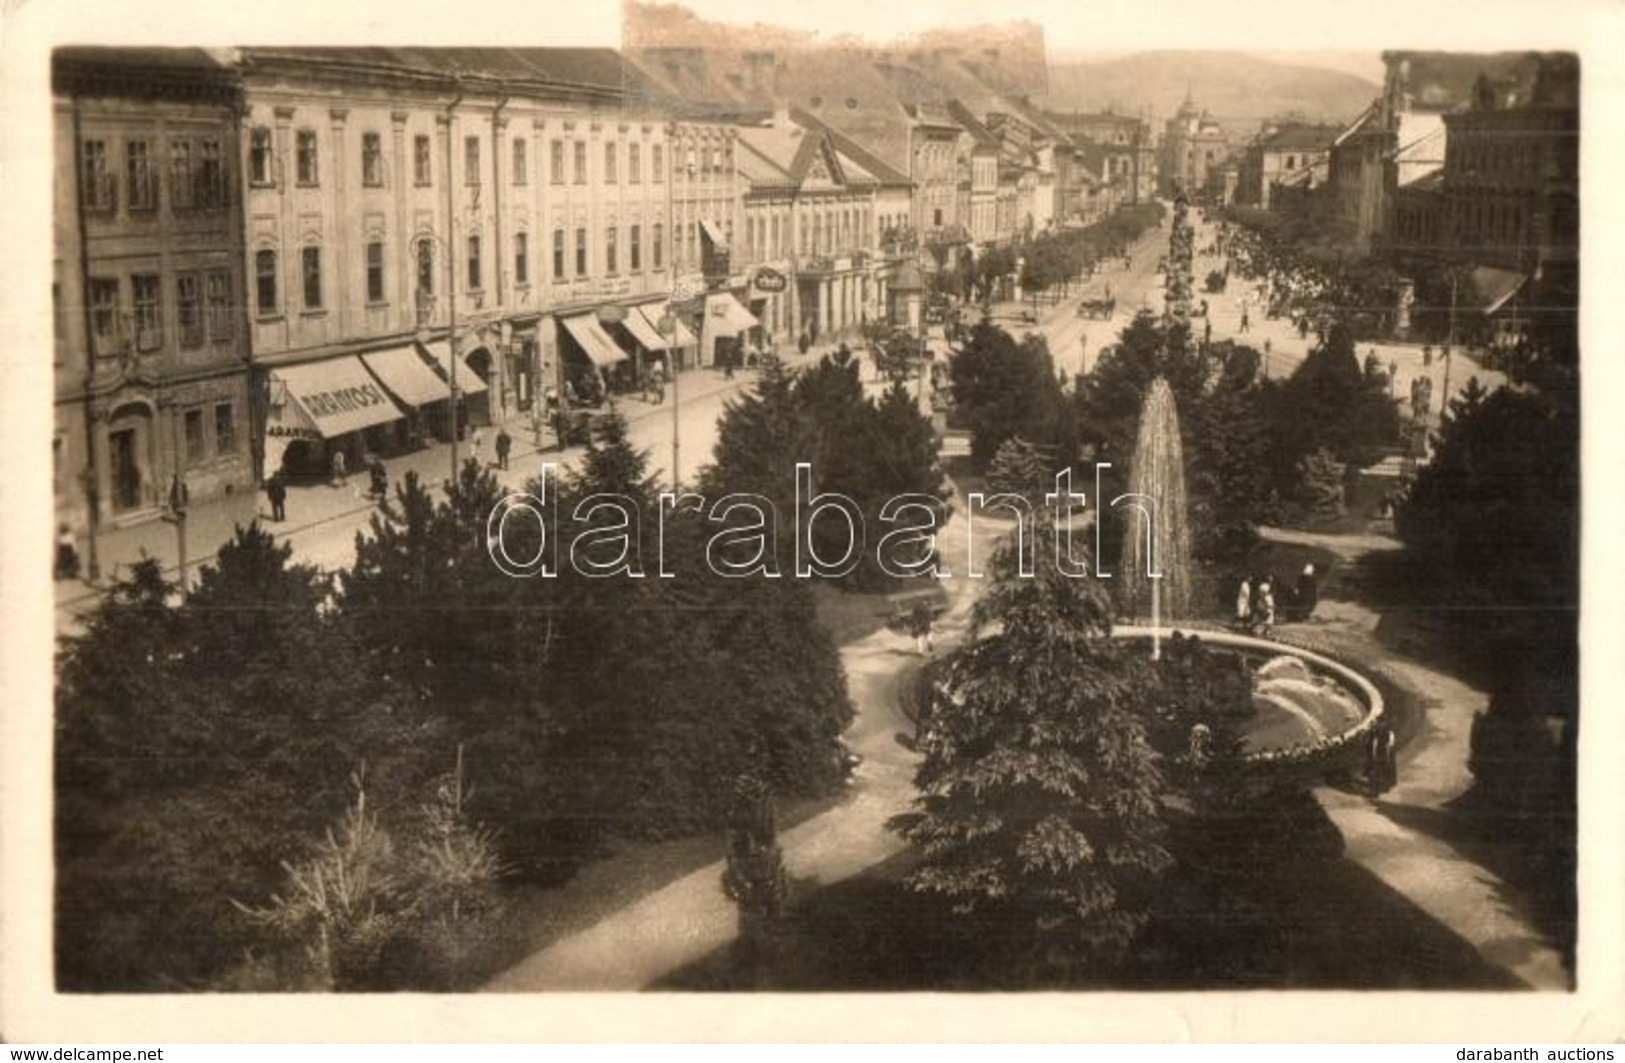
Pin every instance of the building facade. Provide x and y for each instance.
(1193, 146)
(152, 383)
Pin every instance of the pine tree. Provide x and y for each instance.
(1040, 796)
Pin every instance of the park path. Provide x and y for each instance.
(1431, 872)
(688, 919)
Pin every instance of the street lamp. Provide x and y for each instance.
(668, 328)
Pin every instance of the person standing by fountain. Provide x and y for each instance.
(1244, 604)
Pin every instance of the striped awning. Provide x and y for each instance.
(330, 398)
(406, 375)
(468, 381)
(597, 343)
(681, 336)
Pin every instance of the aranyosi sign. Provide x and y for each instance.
(344, 400)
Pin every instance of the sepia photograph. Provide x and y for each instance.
(774, 504)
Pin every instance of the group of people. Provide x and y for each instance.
(1256, 602)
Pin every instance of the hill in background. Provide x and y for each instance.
(1239, 89)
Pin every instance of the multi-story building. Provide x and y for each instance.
(1128, 142)
(152, 397)
(707, 210)
(1402, 138)
(431, 231)
(816, 206)
(1293, 154)
(1193, 145)
(978, 153)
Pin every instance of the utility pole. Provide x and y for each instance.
(92, 473)
(1449, 348)
(451, 276)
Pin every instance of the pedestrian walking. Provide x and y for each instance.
(379, 477)
(67, 554)
(341, 471)
(920, 624)
(1244, 325)
(1308, 592)
(1244, 603)
(276, 489)
(476, 444)
(504, 447)
(1207, 330)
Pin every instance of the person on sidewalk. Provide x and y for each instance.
(504, 447)
(379, 477)
(276, 489)
(341, 471)
(1244, 323)
(67, 554)
(477, 444)
(1244, 603)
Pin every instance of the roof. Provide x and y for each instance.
(882, 171)
(143, 72)
(1300, 138)
(781, 155)
(1432, 181)
(595, 71)
(969, 123)
(1360, 123)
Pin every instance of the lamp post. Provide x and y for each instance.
(451, 275)
(668, 329)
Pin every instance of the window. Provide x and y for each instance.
(265, 282)
(521, 258)
(259, 156)
(182, 176)
(634, 164)
(425, 259)
(581, 162)
(101, 190)
(471, 160)
(474, 277)
(372, 160)
(149, 332)
(310, 259)
(581, 252)
(657, 162)
(422, 161)
(610, 261)
(659, 239)
(143, 182)
(188, 310)
(194, 435)
(634, 251)
(225, 428)
(211, 178)
(521, 162)
(305, 157)
(556, 161)
(558, 254)
(610, 158)
(217, 295)
(104, 309)
(375, 272)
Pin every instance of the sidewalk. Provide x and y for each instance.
(318, 509)
(683, 922)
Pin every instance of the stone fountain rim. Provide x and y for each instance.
(1362, 687)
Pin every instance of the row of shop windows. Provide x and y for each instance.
(203, 310)
(307, 160)
(197, 175)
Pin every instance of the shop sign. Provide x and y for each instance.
(769, 280)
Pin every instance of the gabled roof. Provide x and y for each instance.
(883, 172)
(1365, 119)
(968, 122)
(782, 156)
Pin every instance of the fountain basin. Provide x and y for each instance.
(1314, 713)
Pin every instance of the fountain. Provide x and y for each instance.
(1159, 559)
(1309, 714)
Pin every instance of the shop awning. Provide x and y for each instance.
(644, 331)
(726, 316)
(407, 376)
(603, 350)
(336, 396)
(468, 381)
(713, 234)
(682, 337)
(1495, 287)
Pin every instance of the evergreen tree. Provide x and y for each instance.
(1003, 388)
(1040, 796)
